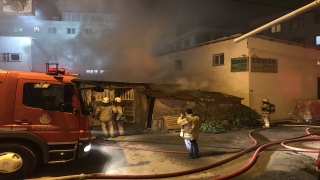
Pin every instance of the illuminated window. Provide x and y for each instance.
(218, 59)
(88, 31)
(71, 30)
(297, 23)
(276, 28)
(52, 30)
(317, 40)
(17, 29)
(36, 29)
(178, 65)
(10, 57)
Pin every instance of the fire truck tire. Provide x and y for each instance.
(16, 160)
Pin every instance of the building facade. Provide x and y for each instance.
(68, 40)
(256, 68)
(303, 28)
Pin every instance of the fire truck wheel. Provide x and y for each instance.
(16, 160)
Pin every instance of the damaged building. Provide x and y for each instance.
(157, 107)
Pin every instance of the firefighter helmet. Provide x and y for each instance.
(117, 99)
(106, 100)
(265, 100)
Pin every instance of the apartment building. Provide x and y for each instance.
(67, 39)
(303, 28)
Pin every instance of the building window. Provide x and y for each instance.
(178, 45)
(298, 40)
(186, 43)
(55, 18)
(10, 57)
(52, 30)
(218, 59)
(317, 40)
(297, 23)
(88, 31)
(178, 65)
(36, 29)
(276, 28)
(71, 30)
(17, 29)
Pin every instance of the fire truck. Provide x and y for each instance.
(44, 118)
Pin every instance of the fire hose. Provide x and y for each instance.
(256, 147)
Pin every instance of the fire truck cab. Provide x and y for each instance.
(43, 118)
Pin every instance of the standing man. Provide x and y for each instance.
(104, 114)
(266, 112)
(119, 117)
(190, 132)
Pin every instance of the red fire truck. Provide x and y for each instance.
(44, 118)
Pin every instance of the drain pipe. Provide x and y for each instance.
(301, 10)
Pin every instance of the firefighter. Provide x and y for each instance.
(266, 112)
(105, 114)
(118, 116)
(190, 132)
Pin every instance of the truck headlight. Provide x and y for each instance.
(87, 148)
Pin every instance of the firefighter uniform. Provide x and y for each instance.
(190, 132)
(105, 114)
(119, 117)
(265, 111)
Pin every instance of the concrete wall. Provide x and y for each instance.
(20, 45)
(296, 77)
(198, 73)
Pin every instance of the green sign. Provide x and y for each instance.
(266, 65)
(239, 64)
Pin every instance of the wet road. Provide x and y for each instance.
(273, 163)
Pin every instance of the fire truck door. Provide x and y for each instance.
(39, 109)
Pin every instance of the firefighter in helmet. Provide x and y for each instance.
(118, 115)
(265, 111)
(105, 115)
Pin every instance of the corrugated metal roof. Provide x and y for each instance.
(190, 95)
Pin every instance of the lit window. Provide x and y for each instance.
(317, 40)
(52, 30)
(218, 59)
(276, 28)
(17, 29)
(71, 30)
(178, 65)
(88, 31)
(36, 29)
